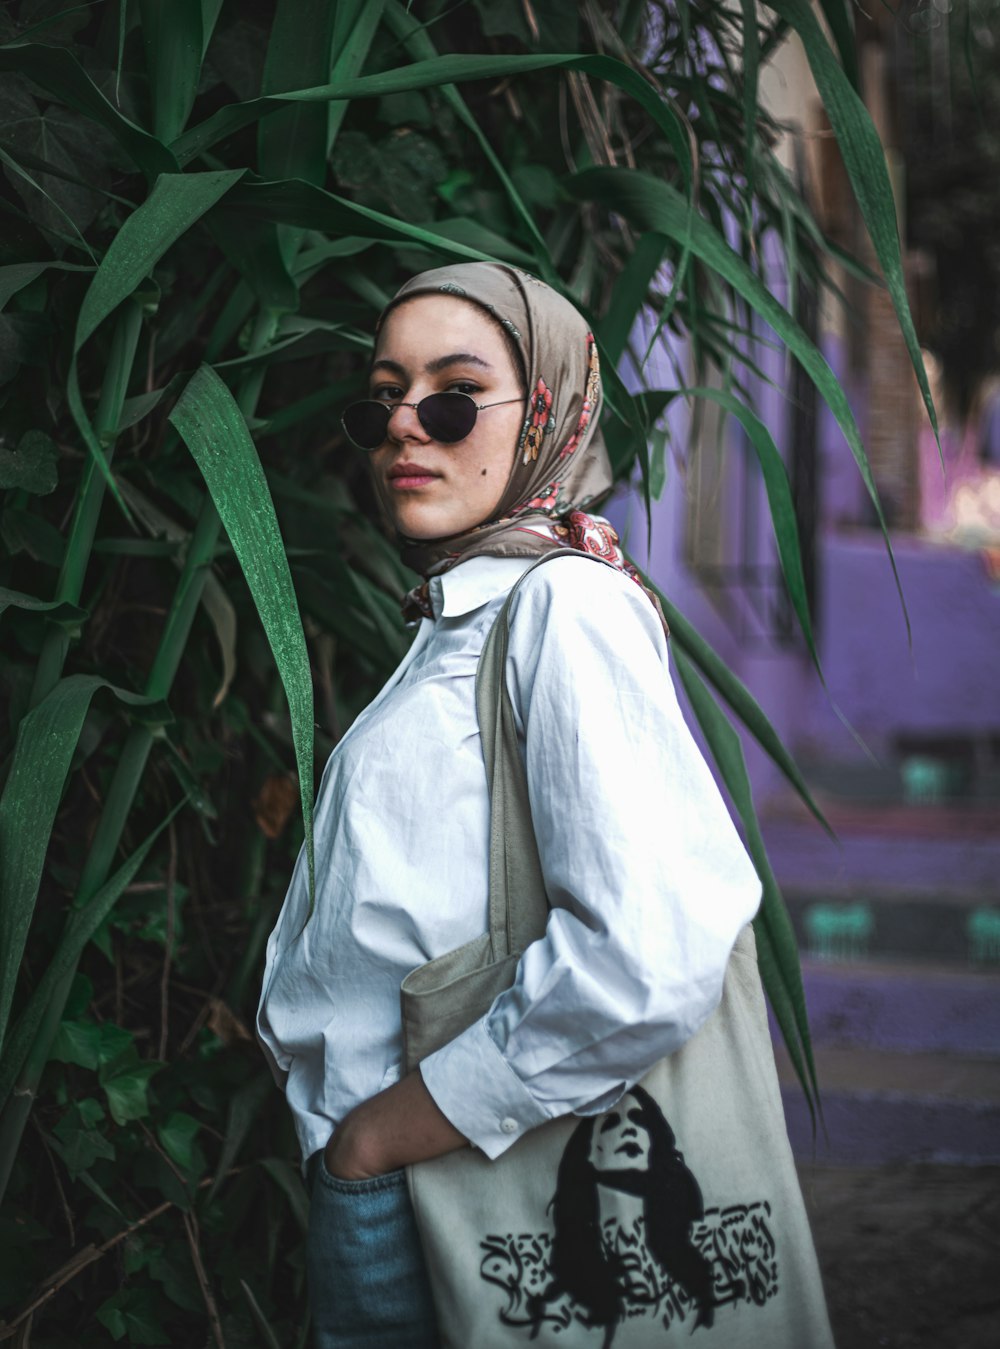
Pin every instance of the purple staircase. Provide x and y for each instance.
(899, 928)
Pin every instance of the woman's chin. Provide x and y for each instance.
(425, 526)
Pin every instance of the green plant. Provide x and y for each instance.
(205, 205)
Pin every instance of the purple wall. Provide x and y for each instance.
(947, 684)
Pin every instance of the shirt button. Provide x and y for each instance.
(508, 1125)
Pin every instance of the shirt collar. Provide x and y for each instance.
(471, 584)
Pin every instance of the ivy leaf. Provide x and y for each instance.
(398, 173)
(22, 531)
(77, 1042)
(91, 1111)
(177, 1135)
(133, 1312)
(57, 136)
(125, 1080)
(24, 340)
(32, 465)
(82, 1143)
(175, 1278)
(88, 1044)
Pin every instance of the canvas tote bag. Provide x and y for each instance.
(675, 1217)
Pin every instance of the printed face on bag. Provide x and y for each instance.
(632, 1249)
(621, 1141)
(434, 344)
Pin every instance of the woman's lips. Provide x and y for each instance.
(404, 477)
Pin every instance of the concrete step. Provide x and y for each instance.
(927, 891)
(905, 851)
(883, 1107)
(954, 772)
(908, 1008)
(872, 924)
(908, 1060)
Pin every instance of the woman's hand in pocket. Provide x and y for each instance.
(401, 1125)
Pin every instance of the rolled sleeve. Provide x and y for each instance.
(498, 1108)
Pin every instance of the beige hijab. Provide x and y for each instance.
(561, 466)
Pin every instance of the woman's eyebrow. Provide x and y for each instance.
(456, 358)
(436, 366)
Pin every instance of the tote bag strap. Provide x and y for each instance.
(519, 906)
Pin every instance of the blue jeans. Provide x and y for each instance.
(368, 1285)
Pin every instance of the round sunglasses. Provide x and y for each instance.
(446, 417)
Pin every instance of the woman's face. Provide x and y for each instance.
(620, 1141)
(435, 344)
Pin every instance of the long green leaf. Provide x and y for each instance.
(637, 417)
(655, 205)
(781, 974)
(173, 38)
(243, 1107)
(46, 739)
(81, 924)
(864, 161)
(445, 70)
(75, 237)
(419, 45)
(839, 16)
(209, 17)
(218, 606)
(737, 695)
(176, 202)
(357, 23)
(57, 611)
(779, 500)
(464, 229)
(289, 1182)
(254, 249)
(628, 409)
(292, 144)
(630, 292)
(16, 275)
(267, 1334)
(297, 203)
(214, 430)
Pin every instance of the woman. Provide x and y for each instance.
(649, 882)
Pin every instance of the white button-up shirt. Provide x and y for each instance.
(649, 881)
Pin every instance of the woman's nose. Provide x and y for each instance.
(404, 424)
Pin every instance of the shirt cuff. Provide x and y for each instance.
(476, 1088)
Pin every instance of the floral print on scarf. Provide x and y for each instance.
(590, 397)
(539, 423)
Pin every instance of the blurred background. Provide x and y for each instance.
(198, 596)
(898, 919)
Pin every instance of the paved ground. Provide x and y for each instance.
(910, 1254)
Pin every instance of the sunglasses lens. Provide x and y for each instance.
(447, 417)
(366, 423)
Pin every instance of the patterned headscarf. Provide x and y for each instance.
(561, 465)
